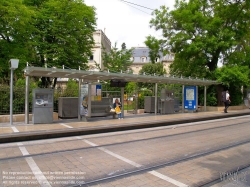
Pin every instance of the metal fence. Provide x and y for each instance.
(131, 102)
(19, 99)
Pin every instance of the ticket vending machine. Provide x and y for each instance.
(42, 105)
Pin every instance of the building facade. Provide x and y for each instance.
(102, 43)
(141, 57)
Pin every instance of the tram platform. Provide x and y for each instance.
(20, 131)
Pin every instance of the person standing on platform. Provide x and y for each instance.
(227, 102)
(117, 106)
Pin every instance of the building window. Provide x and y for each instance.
(143, 59)
(91, 57)
(157, 59)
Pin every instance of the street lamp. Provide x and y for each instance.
(13, 63)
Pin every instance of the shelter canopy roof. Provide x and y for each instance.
(93, 76)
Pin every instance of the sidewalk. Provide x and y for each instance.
(20, 131)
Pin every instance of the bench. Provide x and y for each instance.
(68, 108)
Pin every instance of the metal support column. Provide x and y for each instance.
(205, 98)
(156, 88)
(183, 87)
(89, 100)
(79, 99)
(197, 102)
(11, 96)
(27, 99)
(122, 101)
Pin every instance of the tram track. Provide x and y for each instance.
(173, 162)
(59, 133)
(108, 145)
(224, 145)
(131, 133)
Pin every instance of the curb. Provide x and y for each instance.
(39, 135)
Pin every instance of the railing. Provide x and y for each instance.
(130, 102)
(19, 99)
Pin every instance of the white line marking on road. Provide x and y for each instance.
(15, 129)
(164, 127)
(155, 173)
(23, 149)
(33, 166)
(166, 178)
(37, 172)
(114, 155)
(65, 125)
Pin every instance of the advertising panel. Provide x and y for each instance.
(190, 97)
(84, 100)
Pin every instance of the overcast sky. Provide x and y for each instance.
(124, 22)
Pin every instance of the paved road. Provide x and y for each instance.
(193, 154)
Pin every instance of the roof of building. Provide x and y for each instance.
(141, 51)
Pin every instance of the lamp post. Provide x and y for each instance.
(13, 63)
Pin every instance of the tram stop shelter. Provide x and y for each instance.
(94, 76)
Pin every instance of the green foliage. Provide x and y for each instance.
(71, 89)
(18, 97)
(129, 105)
(22, 83)
(204, 33)
(233, 78)
(201, 33)
(130, 87)
(65, 34)
(5, 99)
(155, 47)
(56, 32)
(15, 36)
(235, 95)
(117, 60)
(151, 70)
(211, 96)
(141, 97)
(233, 75)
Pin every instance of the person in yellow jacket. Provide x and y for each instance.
(117, 106)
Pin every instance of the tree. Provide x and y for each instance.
(65, 33)
(155, 47)
(15, 32)
(52, 32)
(233, 78)
(117, 60)
(201, 33)
(151, 70)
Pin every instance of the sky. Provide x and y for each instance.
(125, 22)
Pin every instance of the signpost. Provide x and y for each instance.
(13, 63)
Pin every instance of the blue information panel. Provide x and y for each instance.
(190, 97)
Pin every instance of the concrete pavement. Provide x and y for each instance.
(20, 131)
